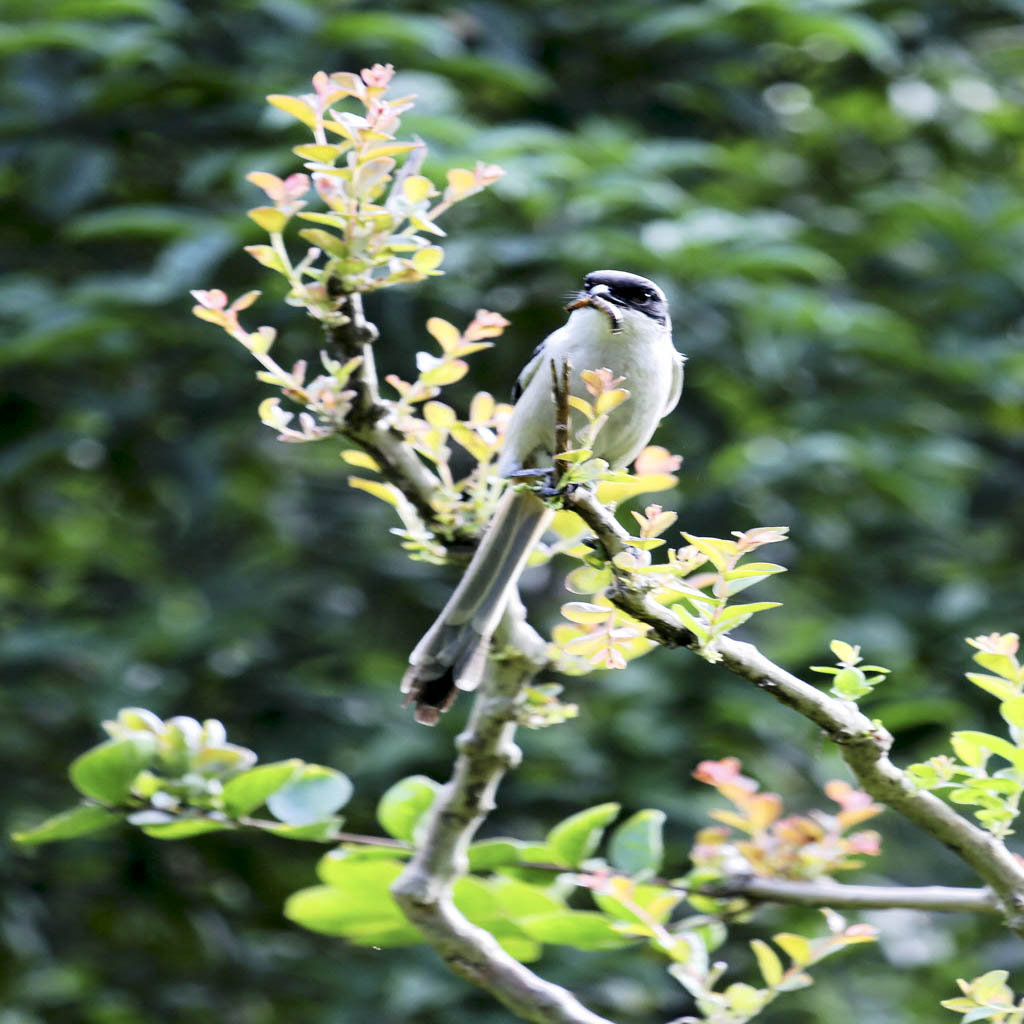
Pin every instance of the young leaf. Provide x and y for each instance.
(404, 804)
(768, 961)
(106, 772)
(655, 902)
(184, 828)
(578, 836)
(1012, 711)
(355, 903)
(70, 824)
(581, 929)
(488, 854)
(269, 218)
(1001, 688)
(844, 651)
(298, 109)
(586, 613)
(796, 947)
(245, 792)
(636, 845)
(313, 794)
(517, 899)
(446, 334)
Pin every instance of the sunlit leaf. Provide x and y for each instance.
(70, 824)
(106, 772)
(313, 793)
(404, 804)
(294, 106)
(578, 836)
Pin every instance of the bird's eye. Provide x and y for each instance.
(647, 295)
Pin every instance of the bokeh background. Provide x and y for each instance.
(830, 191)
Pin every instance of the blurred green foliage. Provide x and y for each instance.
(831, 193)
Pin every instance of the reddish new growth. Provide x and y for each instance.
(797, 846)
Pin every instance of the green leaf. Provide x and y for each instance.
(488, 854)
(717, 550)
(1001, 688)
(796, 947)
(759, 569)
(402, 807)
(849, 683)
(636, 845)
(575, 455)
(587, 580)
(426, 261)
(992, 987)
(578, 836)
(581, 929)
(1002, 664)
(994, 744)
(517, 899)
(355, 902)
(585, 613)
(475, 899)
(245, 792)
(318, 832)
(735, 614)
(743, 999)
(269, 218)
(70, 824)
(361, 851)
(298, 109)
(768, 961)
(185, 828)
(313, 794)
(265, 255)
(1012, 711)
(655, 901)
(695, 626)
(320, 153)
(388, 493)
(331, 244)
(924, 776)
(106, 772)
(843, 651)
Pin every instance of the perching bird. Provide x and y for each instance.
(619, 321)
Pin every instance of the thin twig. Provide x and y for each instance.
(826, 893)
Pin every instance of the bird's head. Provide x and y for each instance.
(619, 296)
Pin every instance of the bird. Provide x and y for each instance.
(620, 322)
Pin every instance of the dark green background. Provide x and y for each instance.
(830, 191)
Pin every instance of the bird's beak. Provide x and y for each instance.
(598, 296)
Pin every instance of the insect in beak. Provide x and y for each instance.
(600, 303)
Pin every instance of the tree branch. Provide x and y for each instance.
(368, 424)
(863, 743)
(424, 890)
(827, 893)
(486, 747)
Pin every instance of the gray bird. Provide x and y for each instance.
(619, 321)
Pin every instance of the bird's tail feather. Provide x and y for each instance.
(452, 655)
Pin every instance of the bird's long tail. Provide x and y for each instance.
(452, 655)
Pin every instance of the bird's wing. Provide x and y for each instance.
(676, 390)
(529, 371)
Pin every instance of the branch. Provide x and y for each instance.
(424, 890)
(864, 897)
(864, 744)
(486, 748)
(368, 424)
